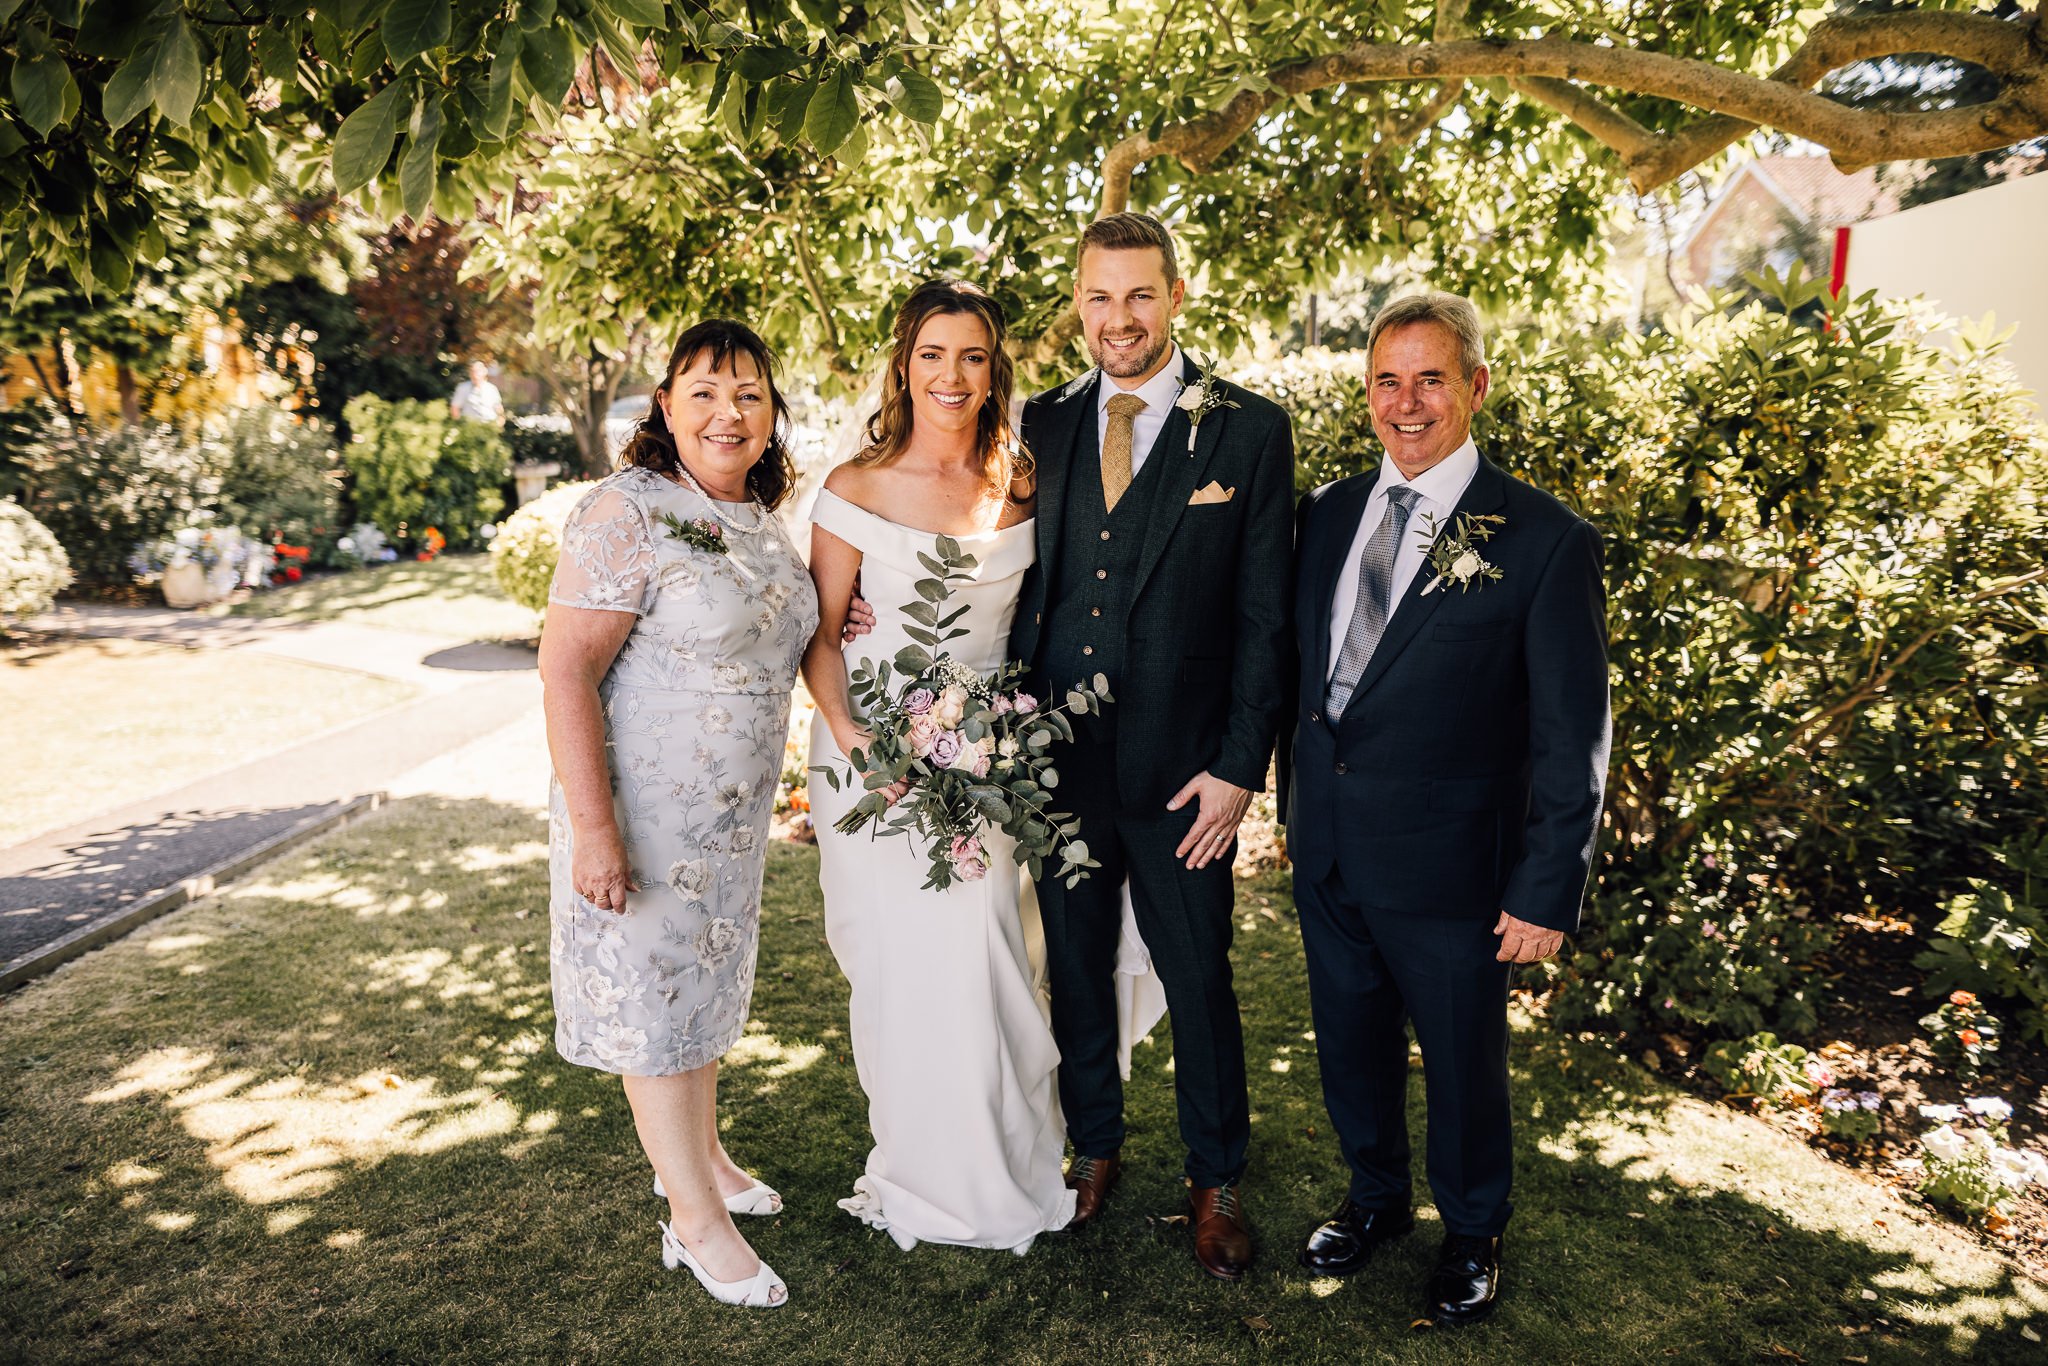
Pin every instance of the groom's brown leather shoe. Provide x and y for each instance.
(1090, 1179)
(1223, 1244)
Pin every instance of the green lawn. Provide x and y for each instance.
(92, 724)
(319, 1118)
(452, 596)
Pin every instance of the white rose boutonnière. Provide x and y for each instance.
(1201, 398)
(1453, 555)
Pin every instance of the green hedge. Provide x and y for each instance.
(416, 467)
(1829, 622)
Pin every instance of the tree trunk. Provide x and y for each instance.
(131, 394)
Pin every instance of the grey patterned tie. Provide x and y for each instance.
(1369, 615)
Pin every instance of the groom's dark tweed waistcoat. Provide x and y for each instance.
(1089, 605)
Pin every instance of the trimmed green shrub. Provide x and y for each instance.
(33, 567)
(545, 436)
(524, 552)
(415, 467)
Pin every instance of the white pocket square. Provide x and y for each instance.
(1212, 492)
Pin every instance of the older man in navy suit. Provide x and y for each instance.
(1443, 791)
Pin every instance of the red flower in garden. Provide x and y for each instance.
(1970, 1038)
(292, 573)
(1962, 998)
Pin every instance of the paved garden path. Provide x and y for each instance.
(65, 881)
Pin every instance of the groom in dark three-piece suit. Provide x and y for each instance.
(1442, 791)
(1164, 549)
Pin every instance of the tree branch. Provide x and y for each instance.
(808, 268)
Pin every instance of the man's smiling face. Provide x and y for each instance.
(1422, 399)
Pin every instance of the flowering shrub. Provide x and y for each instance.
(431, 543)
(1772, 1072)
(1963, 1032)
(1851, 1115)
(1971, 1168)
(33, 567)
(1989, 944)
(211, 548)
(363, 544)
(528, 543)
(288, 562)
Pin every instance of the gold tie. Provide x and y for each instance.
(1116, 447)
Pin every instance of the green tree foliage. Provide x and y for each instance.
(412, 105)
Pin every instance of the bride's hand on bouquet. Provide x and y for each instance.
(599, 872)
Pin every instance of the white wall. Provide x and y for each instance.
(1982, 252)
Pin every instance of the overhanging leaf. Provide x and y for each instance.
(918, 96)
(127, 94)
(412, 27)
(417, 166)
(363, 146)
(174, 79)
(834, 111)
(39, 85)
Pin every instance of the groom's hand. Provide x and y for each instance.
(1222, 806)
(1521, 942)
(860, 616)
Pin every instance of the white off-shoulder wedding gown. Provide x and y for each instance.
(949, 1018)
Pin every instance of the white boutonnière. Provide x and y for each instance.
(1201, 398)
(1454, 557)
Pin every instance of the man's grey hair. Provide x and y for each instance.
(1433, 306)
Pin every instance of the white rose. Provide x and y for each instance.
(1009, 749)
(1991, 1107)
(1190, 398)
(1944, 1143)
(1945, 1114)
(1467, 565)
(951, 705)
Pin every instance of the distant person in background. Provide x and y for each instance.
(476, 398)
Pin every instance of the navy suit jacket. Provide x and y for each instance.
(1465, 776)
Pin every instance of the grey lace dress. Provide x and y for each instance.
(696, 713)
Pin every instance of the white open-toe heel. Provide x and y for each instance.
(759, 1198)
(762, 1290)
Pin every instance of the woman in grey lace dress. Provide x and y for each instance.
(679, 612)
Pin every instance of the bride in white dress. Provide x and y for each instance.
(950, 1032)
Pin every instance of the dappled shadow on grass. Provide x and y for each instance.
(322, 1116)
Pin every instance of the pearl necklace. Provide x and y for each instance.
(717, 513)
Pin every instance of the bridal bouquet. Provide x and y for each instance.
(974, 748)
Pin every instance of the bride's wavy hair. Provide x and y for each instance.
(1004, 460)
(653, 446)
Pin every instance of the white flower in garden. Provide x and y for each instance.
(1944, 1144)
(1986, 1144)
(1942, 1114)
(1990, 1107)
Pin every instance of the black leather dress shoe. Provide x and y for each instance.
(1345, 1242)
(1466, 1282)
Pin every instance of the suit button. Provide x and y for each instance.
(1095, 611)
(1087, 649)
(1105, 535)
(1342, 769)
(1038, 618)
(1102, 573)
(1315, 716)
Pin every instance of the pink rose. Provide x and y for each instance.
(1026, 704)
(1000, 705)
(923, 730)
(947, 746)
(979, 768)
(918, 701)
(963, 847)
(970, 870)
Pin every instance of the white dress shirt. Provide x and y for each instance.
(1438, 488)
(1159, 392)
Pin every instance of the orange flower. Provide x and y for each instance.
(1962, 998)
(1970, 1038)
(800, 799)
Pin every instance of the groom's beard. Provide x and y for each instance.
(1127, 364)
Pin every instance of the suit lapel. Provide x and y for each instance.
(1338, 525)
(1486, 492)
(1054, 451)
(1180, 476)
